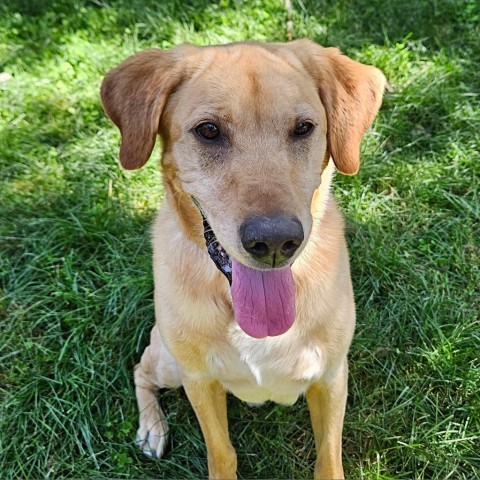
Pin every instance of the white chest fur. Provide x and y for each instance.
(273, 368)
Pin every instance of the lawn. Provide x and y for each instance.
(76, 287)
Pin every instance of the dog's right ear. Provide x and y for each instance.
(134, 95)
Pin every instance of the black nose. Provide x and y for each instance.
(273, 239)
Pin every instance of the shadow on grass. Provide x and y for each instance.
(347, 24)
(356, 23)
(40, 29)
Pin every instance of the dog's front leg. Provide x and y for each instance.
(209, 401)
(326, 402)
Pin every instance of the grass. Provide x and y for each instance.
(75, 283)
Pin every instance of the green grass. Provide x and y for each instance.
(75, 283)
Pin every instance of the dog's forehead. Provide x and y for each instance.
(234, 82)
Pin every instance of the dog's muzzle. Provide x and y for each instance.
(263, 300)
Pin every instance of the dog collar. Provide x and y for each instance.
(217, 253)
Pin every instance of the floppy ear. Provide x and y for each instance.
(134, 95)
(351, 93)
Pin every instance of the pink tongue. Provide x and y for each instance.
(263, 300)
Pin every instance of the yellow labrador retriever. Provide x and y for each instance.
(252, 284)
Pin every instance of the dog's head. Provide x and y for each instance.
(247, 129)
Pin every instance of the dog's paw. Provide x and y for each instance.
(152, 435)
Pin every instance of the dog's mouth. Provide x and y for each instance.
(263, 300)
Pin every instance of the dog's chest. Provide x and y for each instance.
(276, 368)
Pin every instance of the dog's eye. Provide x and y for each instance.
(208, 131)
(303, 128)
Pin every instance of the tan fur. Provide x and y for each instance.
(256, 93)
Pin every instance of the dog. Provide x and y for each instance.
(253, 293)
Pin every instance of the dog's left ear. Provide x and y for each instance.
(351, 93)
